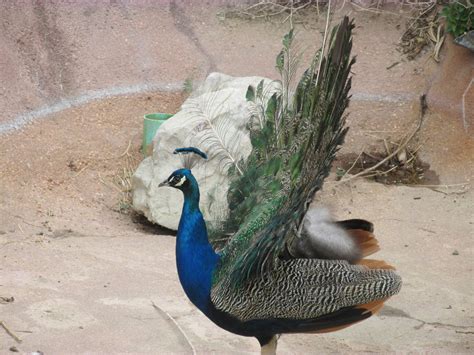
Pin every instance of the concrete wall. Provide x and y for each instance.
(55, 54)
(56, 51)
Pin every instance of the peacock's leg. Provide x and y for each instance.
(268, 344)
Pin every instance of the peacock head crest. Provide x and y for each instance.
(181, 178)
(190, 156)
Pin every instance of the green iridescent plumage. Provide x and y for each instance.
(294, 140)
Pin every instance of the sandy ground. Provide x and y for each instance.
(87, 277)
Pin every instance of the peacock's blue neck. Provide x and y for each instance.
(195, 257)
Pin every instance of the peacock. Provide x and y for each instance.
(286, 267)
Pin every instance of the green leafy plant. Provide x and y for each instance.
(459, 17)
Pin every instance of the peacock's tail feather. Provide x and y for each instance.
(305, 289)
(293, 149)
(312, 295)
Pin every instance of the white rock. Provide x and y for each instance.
(222, 97)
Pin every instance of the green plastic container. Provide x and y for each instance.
(151, 123)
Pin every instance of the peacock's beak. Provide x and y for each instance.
(164, 183)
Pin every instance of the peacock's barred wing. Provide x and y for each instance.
(304, 289)
(293, 149)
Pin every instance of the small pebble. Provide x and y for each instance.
(13, 349)
(455, 252)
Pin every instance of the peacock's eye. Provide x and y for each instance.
(177, 180)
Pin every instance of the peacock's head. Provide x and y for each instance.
(182, 179)
(179, 179)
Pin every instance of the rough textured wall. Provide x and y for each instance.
(56, 54)
(54, 51)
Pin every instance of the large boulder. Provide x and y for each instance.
(219, 107)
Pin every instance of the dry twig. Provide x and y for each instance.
(272, 8)
(464, 118)
(462, 188)
(402, 146)
(163, 312)
(422, 30)
(9, 332)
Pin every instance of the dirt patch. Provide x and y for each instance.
(78, 159)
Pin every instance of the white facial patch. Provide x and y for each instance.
(181, 181)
